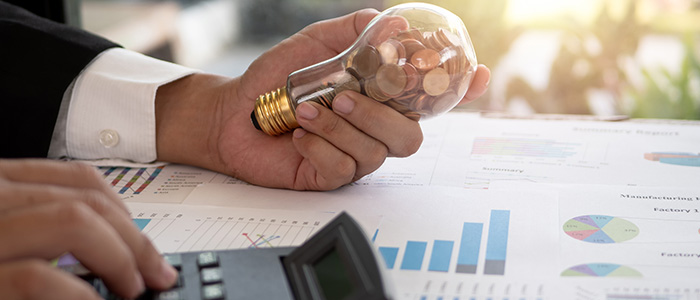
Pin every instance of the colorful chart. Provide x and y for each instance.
(130, 180)
(675, 158)
(601, 270)
(601, 229)
(524, 147)
(467, 248)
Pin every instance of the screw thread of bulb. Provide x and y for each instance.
(274, 113)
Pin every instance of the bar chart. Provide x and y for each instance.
(467, 250)
(525, 147)
(497, 243)
(675, 158)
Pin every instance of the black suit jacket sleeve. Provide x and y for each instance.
(38, 61)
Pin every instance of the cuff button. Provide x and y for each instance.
(109, 138)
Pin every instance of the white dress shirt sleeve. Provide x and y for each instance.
(109, 111)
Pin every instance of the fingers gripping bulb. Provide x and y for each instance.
(416, 58)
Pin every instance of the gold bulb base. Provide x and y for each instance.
(274, 113)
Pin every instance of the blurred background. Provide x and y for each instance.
(639, 58)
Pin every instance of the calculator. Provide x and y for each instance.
(337, 263)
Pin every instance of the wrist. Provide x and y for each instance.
(187, 119)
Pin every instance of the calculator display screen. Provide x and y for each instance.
(333, 277)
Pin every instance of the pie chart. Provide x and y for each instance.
(601, 270)
(600, 229)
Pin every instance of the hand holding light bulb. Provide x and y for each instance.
(212, 129)
(416, 58)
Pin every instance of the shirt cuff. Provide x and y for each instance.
(112, 111)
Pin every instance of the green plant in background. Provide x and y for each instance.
(670, 96)
(576, 69)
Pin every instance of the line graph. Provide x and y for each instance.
(261, 241)
(195, 228)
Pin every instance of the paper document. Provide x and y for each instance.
(487, 209)
(462, 150)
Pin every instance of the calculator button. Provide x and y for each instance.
(179, 281)
(100, 287)
(113, 297)
(213, 292)
(174, 260)
(207, 259)
(173, 294)
(210, 275)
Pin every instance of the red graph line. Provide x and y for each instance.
(251, 241)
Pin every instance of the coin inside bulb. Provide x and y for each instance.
(412, 46)
(436, 82)
(391, 79)
(391, 51)
(425, 59)
(366, 61)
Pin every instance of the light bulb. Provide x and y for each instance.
(416, 58)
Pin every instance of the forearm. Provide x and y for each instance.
(188, 111)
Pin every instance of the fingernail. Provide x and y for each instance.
(139, 284)
(298, 133)
(488, 73)
(343, 104)
(307, 111)
(168, 273)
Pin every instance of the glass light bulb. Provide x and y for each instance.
(416, 58)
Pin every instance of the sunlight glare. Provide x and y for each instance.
(528, 11)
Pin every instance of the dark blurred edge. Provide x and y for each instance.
(271, 20)
(67, 12)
